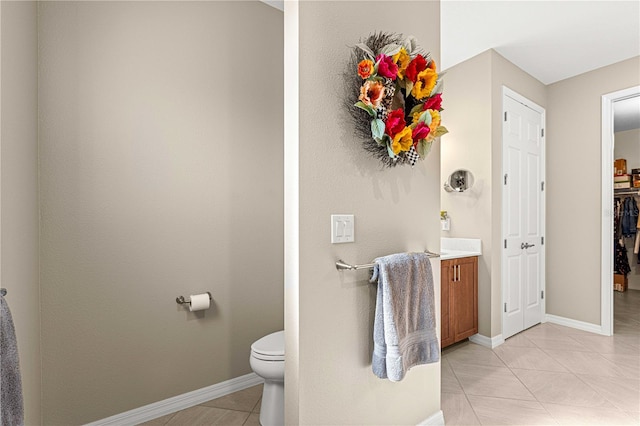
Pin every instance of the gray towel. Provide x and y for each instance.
(404, 330)
(11, 410)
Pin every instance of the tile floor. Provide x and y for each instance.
(549, 374)
(546, 375)
(240, 408)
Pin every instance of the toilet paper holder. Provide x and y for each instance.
(181, 300)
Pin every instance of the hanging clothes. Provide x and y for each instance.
(629, 218)
(636, 248)
(620, 258)
(626, 220)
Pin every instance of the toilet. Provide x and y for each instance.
(267, 361)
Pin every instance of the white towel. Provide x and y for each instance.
(404, 331)
(11, 409)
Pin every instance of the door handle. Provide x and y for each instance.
(454, 273)
(526, 245)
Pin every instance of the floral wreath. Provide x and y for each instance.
(400, 98)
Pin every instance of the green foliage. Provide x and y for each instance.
(425, 117)
(365, 107)
(391, 49)
(441, 131)
(416, 108)
(384, 140)
(366, 50)
(423, 148)
(377, 128)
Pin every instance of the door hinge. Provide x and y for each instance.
(542, 294)
(505, 243)
(542, 240)
(505, 116)
(542, 186)
(505, 178)
(505, 306)
(542, 132)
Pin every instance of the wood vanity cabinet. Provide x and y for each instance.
(459, 302)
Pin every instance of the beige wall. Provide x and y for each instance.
(504, 73)
(574, 216)
(161, 175)
(395, 210)
(573, 126)
(19, 117)
(473, 113)
(467, 114)
(627, 145)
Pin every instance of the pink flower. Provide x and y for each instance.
(421, 131)
(386, 67)
(434, 102)
(395, 122)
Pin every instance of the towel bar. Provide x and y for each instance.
(3, 291)
(342, 265)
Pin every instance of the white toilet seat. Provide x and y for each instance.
(269, 347)
(263, 357)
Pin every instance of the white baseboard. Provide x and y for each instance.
(580, 325)
(487, 342)
(436, 419)
(180, 402)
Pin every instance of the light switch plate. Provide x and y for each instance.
(342, 228)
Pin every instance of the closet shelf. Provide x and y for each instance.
(626, 191)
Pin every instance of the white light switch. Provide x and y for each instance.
(342, 228)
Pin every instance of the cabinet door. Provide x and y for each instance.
(463, 293)
(446, 323)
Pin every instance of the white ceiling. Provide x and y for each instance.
(278, 4)
(551, 40)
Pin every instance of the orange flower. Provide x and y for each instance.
(402, 141)
(432, 65)
(371, 93)
(365, 68)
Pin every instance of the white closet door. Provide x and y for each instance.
(523, 156)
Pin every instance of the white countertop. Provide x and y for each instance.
(454, 248)
(455, 254)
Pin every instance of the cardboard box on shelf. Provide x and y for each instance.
(621, 185)
(620, 167)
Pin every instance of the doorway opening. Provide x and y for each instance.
(608, 104)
